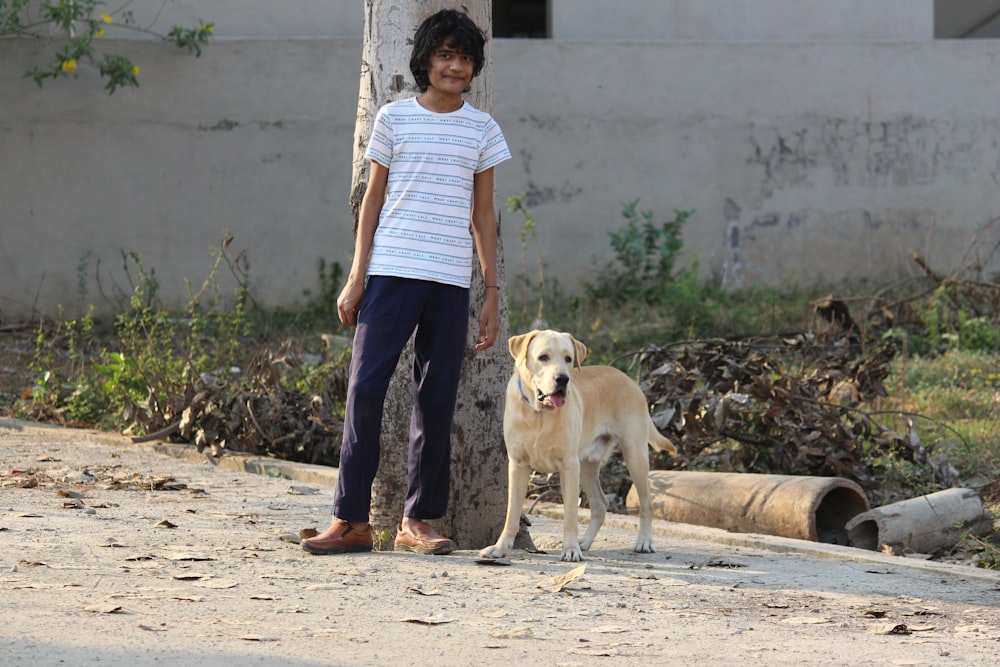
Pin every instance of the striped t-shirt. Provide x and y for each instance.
(424, 227)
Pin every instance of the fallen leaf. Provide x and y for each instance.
(258, 638)
(188, 556)
(805, 620)
(417, 590)
(216, 583)
(609, 629)
(429, 620)
(492, 561)
(892, 629)
(289, 610)
(302, 491)
(523, 632)
(32, 563)
(103, 608)
(110, 542)
(149, 628)
(166, 524)
(560, 581)
(69, 494)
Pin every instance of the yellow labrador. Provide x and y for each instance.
(566, 418)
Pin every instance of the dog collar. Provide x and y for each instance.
(521, 390)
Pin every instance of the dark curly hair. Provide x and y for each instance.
(447, 26)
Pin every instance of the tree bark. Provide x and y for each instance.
(478, 461)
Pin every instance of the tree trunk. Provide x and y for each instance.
(478, 461)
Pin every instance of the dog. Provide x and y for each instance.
(561, 416)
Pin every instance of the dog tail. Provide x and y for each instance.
(658, 440)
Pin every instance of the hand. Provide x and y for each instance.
(489, 321)
(349, 302)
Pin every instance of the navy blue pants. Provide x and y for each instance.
(391, 310)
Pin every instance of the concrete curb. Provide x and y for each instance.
(327, 476)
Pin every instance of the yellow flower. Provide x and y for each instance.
(106, 17)
(99, 33)
(69, 65)
(206, 28)
(135, 70)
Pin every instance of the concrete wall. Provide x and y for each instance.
(743, 20)
(805, 161)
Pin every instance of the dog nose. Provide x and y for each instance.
(561, 381)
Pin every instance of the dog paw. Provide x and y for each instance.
(495, 551)
(572, 554)
(645, 547)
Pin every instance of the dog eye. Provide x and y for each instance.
(543, 357)
(569, 360)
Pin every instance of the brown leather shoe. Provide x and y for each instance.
(422, 540)
(339, 538)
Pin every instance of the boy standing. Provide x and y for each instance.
(432, 160)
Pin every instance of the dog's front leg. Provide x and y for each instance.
(518, 475)
(570, 480)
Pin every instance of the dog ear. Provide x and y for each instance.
(580, 352)
(519, 345)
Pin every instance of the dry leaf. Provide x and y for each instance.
(166, 524)
(560, 581)
(429, 620)
(216, 583)
(523, 632)
(418, 591)
(492, 561)
(805, 620)
(103, 608)
(892, 629)
(149, 628)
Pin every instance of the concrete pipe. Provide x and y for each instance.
(805, 508)
(920, 525)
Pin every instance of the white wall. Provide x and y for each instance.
(744, 20)
(829, 159)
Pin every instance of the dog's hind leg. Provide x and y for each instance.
(590, 480)
(637, 460)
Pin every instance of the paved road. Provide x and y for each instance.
(113, 553)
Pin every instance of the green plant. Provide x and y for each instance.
(83, 24)
(529, 288)
(947, 324)
(647, 252)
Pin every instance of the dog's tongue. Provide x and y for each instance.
(557, 400)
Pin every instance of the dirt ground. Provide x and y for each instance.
(111, 553)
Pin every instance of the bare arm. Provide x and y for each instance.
(349, 300)
(484, 231)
